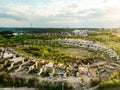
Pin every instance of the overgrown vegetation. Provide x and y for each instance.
(109, 83)
(7, 81)
(113, 81)
(44, 47)
(95, 81)
(55, 86)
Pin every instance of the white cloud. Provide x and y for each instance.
(11, 22)
(62, 12)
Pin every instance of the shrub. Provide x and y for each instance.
(32, 82)
(115, 75)
(45, 74)
(7, 81)
(95, 81)
(36, 53)
(109, 83)
(45, 85)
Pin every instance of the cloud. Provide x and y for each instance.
(3, 15)
(15, 12)
(62, 12)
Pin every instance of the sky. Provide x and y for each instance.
(60, 13)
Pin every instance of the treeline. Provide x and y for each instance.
(96, 36)
(44, 30)
(9, 81)
(11, 41)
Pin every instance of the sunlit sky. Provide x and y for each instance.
(60, 13)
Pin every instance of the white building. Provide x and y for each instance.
(16, 60)
(81, 32)
(49, 65)
(7, 55)
(18, 33)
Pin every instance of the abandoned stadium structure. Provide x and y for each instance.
(15, 62)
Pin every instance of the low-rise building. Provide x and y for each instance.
(81, 32)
